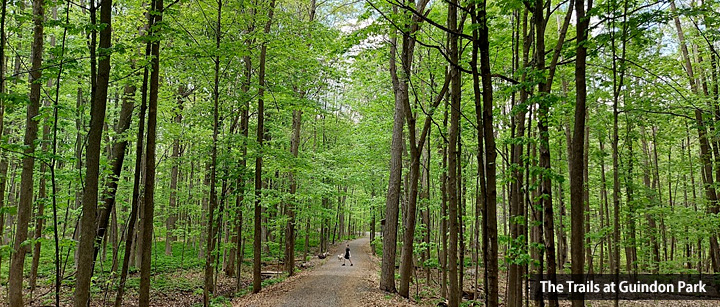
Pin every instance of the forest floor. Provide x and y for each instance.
(330, 284)
(324, 282)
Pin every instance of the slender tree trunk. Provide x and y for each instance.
(586, 199)
(514, 288)
(97, 119)
(257, 244)
(42, 200)
(443, 217)
(618, 82)
(416, 147)
(149, 203)
(577, 183)
(244, 130)
(3, 158)
(42, 186)
(213, 225)
(139, 158)
(453, 135)
(290, 227)
(25, 206)
(486, 164)
(117, 158)
(544, 87)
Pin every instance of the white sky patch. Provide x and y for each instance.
(353, 24)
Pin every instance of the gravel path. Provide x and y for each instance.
(330, 284)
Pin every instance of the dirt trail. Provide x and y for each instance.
(330, 284)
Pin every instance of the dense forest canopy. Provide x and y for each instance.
(475, 142)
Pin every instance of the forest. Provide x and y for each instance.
(199, 152)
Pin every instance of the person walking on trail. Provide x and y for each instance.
(347, 255)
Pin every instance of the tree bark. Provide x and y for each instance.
(454, 295)
(517, 207)
(292, 206)
(257, 244)
(149, 202)
(25, 206)
(486, 164)
(139, 159)
(117, 158)
(387, 274)
(213, 225)
(244, 130)
(97, 119)
(577, 184)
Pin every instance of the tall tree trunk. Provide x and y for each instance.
(577, 184)
(117, 158)
(242, 163)
(213, 225)
(416, 146)
(139, 160)
(42, 186)
(42, 200)
(387, 274)
(257, 244)
(486, 164)
(25, 206)
(149, 202)
(97, 119)
(290, 227)
(631, 246)
(3, 157)
(517, 207)
(544, 87)
(586, 199)
(453, 135)
(444, 196)
(618, 82)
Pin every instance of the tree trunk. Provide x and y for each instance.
(387, 274)
(514, 288)
(149, 203)
(490, 248)
(117, 158)
(97, 119)
(618, 80)
(454, 295)
(242, 163)
(213, 225)
(3, 158)
(25, 206)
(42, 200)
(139, 158)
(577, 184)
(292, 206)
(257, 244)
